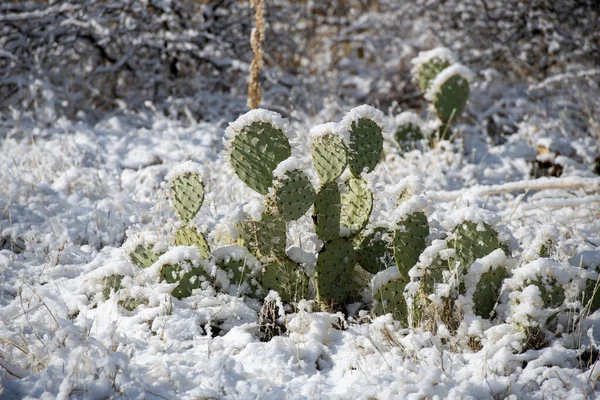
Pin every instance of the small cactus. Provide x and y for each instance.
(451, 96)
(488, 290)
(365, 144)
(286, 278)
(389, 299)
(471, 243)
(188, 278)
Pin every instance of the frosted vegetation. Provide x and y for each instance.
(160, 240)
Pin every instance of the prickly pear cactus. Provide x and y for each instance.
(375, 250)
(390, 299)
(407, 135)
(365, 147)
(329, 157)
(471, 243)
(451, 98)
(327, 212)
(242, 269)
(112, 284)
(294, 194)
(143, 256)
(410, 241)
(429, 70)
(335, 265)
(286, 278)
(188, 236)
(188, 279)
(551, 292)
(267, 237)
(256, 151)
(356, 206)
(187, 195)
(488, 290)
(434, 273)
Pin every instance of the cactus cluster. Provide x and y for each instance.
(422, 271)
(445, 83)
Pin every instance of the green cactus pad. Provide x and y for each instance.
(143, 256)
(329, 157)
(591, 300)
(286, 278)
(487, 291)
(375, 251)
(255, 153)
(390, 300)
(188, 236)
(187, 195)
(434, 273)
(451, 98)
(327, 212)
(429, 70)
(551, 292)
(407, 135)
(357, 204)
(188, 281)
(335, 265)
(294, 195)
(410, 241)
(471, 244)
(366, 146)
(111, 284)
(267, 237)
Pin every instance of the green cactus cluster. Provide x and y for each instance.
(420, 272)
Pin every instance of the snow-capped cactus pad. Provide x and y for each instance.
(186, 190)
(328, 153)
(410, 241)
(189, 236)
(489, 273)
(388, 295)
(428, 64)
(449, 92)
(335, 265)
(258, 143)
(364, 125)
(294, 194)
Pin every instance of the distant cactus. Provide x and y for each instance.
(451, 96)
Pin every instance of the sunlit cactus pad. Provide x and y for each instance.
(365, 147)
(329, 157)
(294, 194)
(356, 206)
(256, 151)
(471, 243)
(335, 264)
(187, 195)
(143, 256)
(189, 236)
